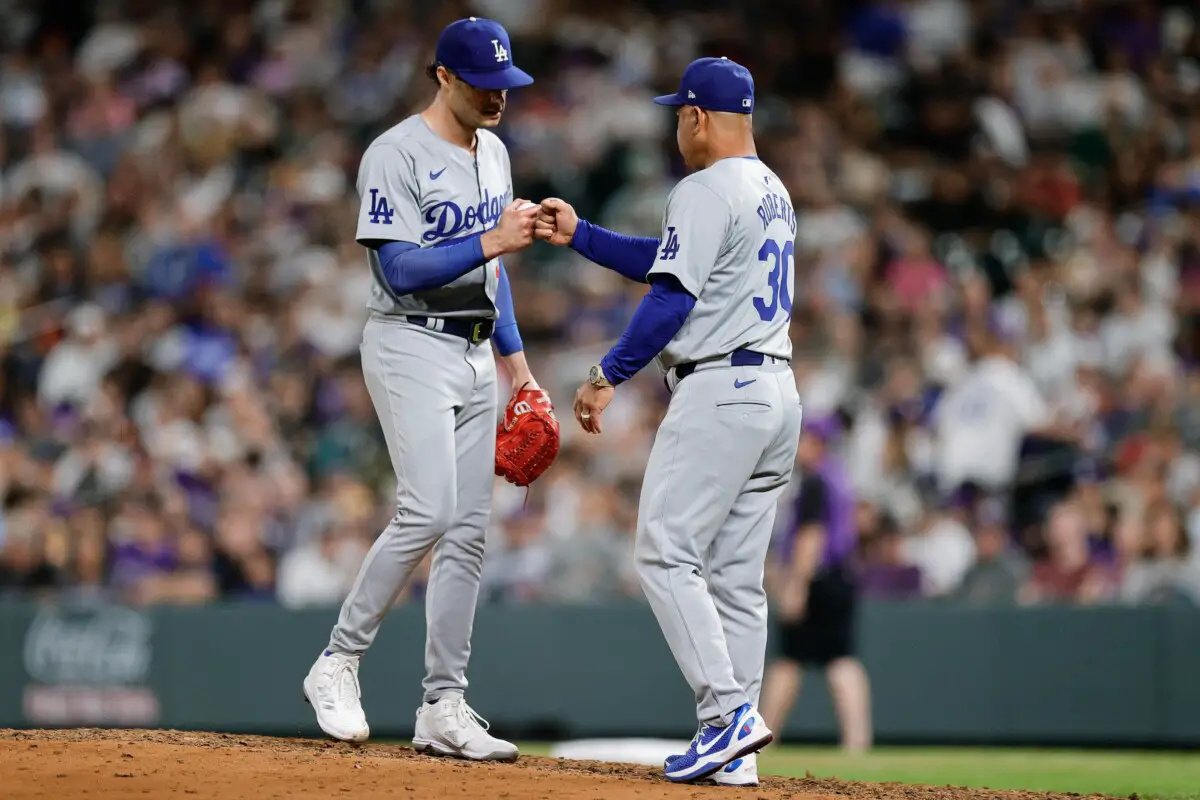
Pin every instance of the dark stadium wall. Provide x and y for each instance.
(1100, 676)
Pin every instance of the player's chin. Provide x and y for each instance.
(491, 120)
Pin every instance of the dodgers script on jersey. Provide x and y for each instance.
(417, 187)
(729, 237)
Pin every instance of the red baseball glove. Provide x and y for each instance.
(527, 439)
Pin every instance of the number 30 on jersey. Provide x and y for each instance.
(779, 279)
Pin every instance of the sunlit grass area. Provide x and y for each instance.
(1165, 775)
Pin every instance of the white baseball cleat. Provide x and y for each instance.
(331, 687)
(741, 772)
(450, 727)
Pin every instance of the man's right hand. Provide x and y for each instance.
(513, 232)
(556, 222)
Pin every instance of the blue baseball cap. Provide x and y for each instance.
(714, 84)
(478, 51)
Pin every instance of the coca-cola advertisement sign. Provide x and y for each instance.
(89, 666)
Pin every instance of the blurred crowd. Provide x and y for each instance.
(997, 289)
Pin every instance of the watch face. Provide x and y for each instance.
(594, 373)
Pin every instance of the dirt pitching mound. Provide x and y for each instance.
(152, 764)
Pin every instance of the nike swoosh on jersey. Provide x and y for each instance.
(433, 176)
(742, 384)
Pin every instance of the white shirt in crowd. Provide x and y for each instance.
(311, 575)
(936, 29)
(943, 553)
(981, 421)
(74, 369)
(1052, 364)
(864, 453)
(1148, 331)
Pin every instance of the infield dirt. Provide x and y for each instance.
(206, 766)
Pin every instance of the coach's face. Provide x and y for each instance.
(690, 135)
(473, 108)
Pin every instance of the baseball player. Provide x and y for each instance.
(717, 319)
(437, 214)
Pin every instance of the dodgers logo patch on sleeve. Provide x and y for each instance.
(670, 246)
(381, 213)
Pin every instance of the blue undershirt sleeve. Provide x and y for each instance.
(658, 318)
(506, 336)
(408, 268)
(631, 256)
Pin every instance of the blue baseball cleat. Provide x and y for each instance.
(713, 746)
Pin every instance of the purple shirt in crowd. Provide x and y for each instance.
(825, 498)
(133, 562)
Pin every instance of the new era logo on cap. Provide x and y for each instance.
(714, 84)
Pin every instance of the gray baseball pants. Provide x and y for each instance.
(720, 462)
(435, 396)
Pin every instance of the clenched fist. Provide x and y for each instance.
(513, 232)
(556, 222)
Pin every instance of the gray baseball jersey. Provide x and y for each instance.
(729, 237)
(416, 187)
(725, 449)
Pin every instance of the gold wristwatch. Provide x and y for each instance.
(596, 378)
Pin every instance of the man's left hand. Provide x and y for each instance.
(527, 439)
(590, 403)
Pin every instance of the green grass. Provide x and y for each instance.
(1166, 776)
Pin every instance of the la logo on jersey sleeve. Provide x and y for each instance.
(381, 213)
(670, 245)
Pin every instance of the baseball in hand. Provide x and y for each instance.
(528, 206)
